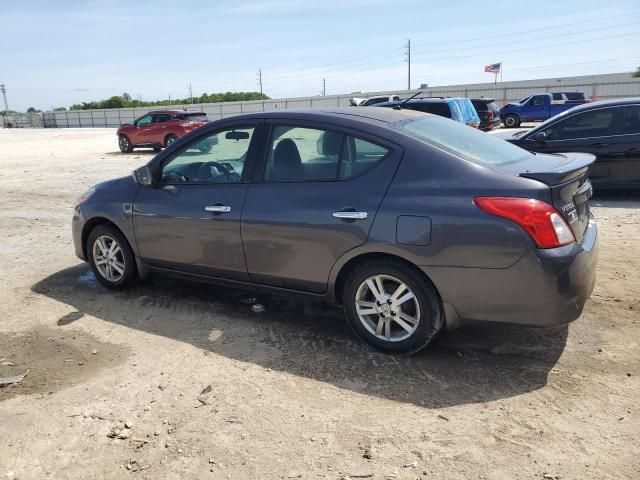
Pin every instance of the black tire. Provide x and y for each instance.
(169, 140)
(157, 149)
(125, 144)
(429, 312)
(511, 121)
(130, 272)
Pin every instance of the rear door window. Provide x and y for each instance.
(299, 154)
(631, 122)
(161, 118)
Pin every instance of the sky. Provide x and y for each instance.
(63, 52)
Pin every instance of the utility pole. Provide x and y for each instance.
(190, 94)
(324, 88)
(3, 89)
(259, 79)
(408, 60)
(169, 98)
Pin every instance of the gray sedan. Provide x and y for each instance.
(411, 221)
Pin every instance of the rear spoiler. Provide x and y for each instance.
(577, 165)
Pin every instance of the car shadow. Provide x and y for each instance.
(146, 151)
(470, 365)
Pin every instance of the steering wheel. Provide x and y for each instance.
(204, 172)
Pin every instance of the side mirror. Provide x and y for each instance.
(540, 137)
(142, 176)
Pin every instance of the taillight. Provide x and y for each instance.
(540, 220)
(489, 115)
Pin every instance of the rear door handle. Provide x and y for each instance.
(600, 145)
(218, 208)
(350, 215)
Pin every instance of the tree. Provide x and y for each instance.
(32, 110)
(59, 109)
(126, 96)
(636, 74)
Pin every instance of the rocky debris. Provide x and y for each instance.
(367, 454)
(551, 476)
(119, 431)
(8, 364)
(138, 442)
(94, 352)
(128, 424)
(412, 464)
(206, 395)
(10, 381)
(442, 417)
(134, 466)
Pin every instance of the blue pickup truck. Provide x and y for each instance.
(534, 108)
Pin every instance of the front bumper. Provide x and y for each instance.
(77, 226)
(546, 287)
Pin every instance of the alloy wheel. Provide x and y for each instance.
(387, 308)
(124, 143)
(108, 258)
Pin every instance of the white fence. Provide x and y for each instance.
(615, 85)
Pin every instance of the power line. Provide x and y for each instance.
(521, 32)
(539, 38)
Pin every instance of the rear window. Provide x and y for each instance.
(193, 117)
(441, 109)
(574, 95)
(458, 139)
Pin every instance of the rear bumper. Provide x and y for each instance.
(544, 288)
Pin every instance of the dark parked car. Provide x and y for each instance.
(489, 113)
(459, 109)
(158, 129)
(608, 129)
(410, 221)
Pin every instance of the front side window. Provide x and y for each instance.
(142, 121)
(298, 154)
(536, 101)
(594, 123)
(215, 158)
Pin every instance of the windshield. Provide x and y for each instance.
(522, 100)
(463, 141)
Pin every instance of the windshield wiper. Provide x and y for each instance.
(399, 106)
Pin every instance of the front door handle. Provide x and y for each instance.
(600, 145)
(350, 215)
(218, 208)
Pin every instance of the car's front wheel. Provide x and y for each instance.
(111, 258)
(392, 306)
(125, 144)
(511, 121)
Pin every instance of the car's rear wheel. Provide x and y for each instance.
(169, 140)
(392, 306)
(125, 144)
(111, 258)
(511, 121)
(157, 149)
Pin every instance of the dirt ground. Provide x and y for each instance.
(293, 393)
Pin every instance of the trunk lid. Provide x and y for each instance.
(567, 176)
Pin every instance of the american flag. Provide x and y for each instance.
(493, 68)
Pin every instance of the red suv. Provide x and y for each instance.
(158, 129)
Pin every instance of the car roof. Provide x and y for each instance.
(605, 103)
(175, 112)
(363, 114)
(483, 99)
